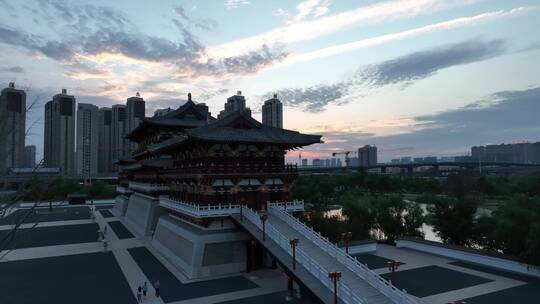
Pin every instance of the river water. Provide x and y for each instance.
(429, 232)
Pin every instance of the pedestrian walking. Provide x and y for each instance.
(139, 293)
(156, 287)
(145, 289)
(105, 230)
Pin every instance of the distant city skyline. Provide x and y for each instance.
(414, 78)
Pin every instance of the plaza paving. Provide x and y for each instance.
(81, 278)
(431, 280)
(120, 230)
(50, 236)
(174, 290)
(43, 214)
(273, 298)
(434, 279)
(56, 257)
(373, 261)
(106, 213)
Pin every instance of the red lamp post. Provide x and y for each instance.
(346, 237)
(264, 217)
(335, 276)
(392, 266)
(294, 243)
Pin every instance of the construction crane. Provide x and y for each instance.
(346, 153)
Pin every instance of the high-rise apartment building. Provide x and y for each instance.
(104, 141)
(135, 112)
(87, 140)
(317, 162)
(30, 156)
(12, 127)
(272, 112)
(235, 103)
(521, 152)
(59, 146)
(119, 144)
(367, 156)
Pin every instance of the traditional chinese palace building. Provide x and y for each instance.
(192, 171)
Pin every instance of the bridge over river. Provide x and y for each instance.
(436, 166)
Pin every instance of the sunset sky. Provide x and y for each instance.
(415, 78)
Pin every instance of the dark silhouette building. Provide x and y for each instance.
(12, 125)
(59, 146)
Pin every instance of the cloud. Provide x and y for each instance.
(207, 95)
(13, 69)
(139, 46)
(109, 36)
(402, 70)
(315, 8)
(531, 47)
(247, 63)
(232, 4)
(310, 29)
(82, 71)
(204, 24)
(312, 99)
(378, 40)
(90, 35)
(81, 18)
(502, 117)
(420, 65)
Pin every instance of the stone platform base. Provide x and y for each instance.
(201, 252)
(142, 213)
(120, 205)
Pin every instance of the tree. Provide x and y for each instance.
(413, 219)
(483, 235)
(395, 217)
(453, 218)
(330, 227)
(517, 228)
(360, 216)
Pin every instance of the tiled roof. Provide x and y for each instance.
(189, 115)
(125, 161)
(175, 122)
(150, 163)
(173, 141)
(239, 127)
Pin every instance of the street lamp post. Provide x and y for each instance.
(264, 217)
(346, 237)
(335, 276)
(294, 243)
(392, 266)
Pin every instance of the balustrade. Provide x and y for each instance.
(345, 293)
(148, 187)
(361, 270)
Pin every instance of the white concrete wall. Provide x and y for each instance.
(466, 256)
